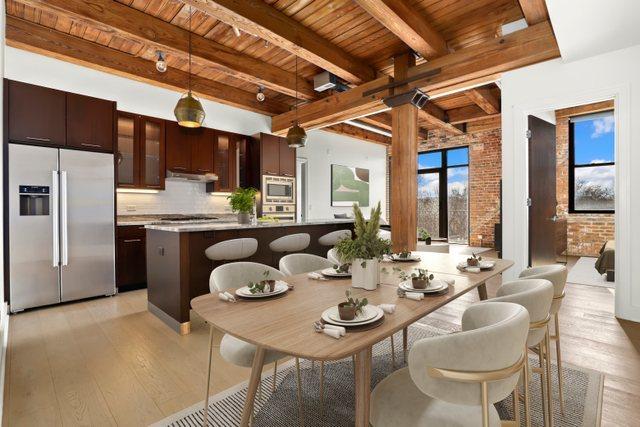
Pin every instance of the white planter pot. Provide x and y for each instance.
(366, 277)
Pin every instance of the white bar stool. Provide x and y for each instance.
(291, 243)
(331, 239)
(232, 250)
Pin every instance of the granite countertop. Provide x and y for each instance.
(125, 220)
(225, 225)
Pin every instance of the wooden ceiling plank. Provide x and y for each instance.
(468, 114)
(585, 109)
(258, 18)
(111, 17)
(535, 11)
(383, 121)
(484, 99)
(410, 27)
(429, 119)
(458, 70)
(36, 38)
(356, 132)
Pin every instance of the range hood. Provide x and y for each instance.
(184, 176)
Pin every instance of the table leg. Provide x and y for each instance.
(405, 342)
(482, 291)
(363, 387)
(254, 380)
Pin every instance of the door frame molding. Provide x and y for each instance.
(515, 164)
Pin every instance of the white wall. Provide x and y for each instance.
(323, 148)
(4, 316)
(557, 84)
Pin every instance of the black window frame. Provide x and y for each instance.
(443, 194)
(572, 175)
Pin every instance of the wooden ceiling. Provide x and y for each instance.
(354, 39)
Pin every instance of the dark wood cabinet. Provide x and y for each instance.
(178, 148)
(190, 150)
(202, 153)
(36, 114)
(140, 151)
(287, 159)
(90, 123)
(131, 262)
(225, 156)
(270, 154)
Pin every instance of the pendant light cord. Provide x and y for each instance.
(296, 77)
(189, 48)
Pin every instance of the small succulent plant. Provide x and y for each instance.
(342, 268)
(359, 304)
(474, 260)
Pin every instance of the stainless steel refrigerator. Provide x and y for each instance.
(61, 225)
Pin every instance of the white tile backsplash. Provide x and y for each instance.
(179, 197)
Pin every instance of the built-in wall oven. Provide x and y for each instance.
(279, 197)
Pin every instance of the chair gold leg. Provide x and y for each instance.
(485, 404)
(353, 364)
(313, 365)
(405, 342)
(275, 374)
(298, 379)
(321, 387)
(393, 353)
(206, 396)
(547, 354)
(559, 363)
(543, 385)
(260, 390)
(516, 405)
(525, 380)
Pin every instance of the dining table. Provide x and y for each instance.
(286, 323)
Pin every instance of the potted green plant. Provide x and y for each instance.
(341, 268)
(473, 260)
(419, 280)
(348, 309)
(366, 250)
(266, 285)
(424, 235)
(242, 201)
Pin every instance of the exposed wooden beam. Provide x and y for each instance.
(596, 107)
(493, 122)
(43, 40)
(461, 68)
(265, 21)
(535, 11)
(356, 132)
(468, 114)
(335, 108)
(113, 17)
(484, 99)
(409, 26)
(433, 121)
(383, 120)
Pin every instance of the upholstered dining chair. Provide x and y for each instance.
(332, 255)
(293, 264)
(535, 295)
(234, 350)
(454, 379)
(556, 274)
(330, 239)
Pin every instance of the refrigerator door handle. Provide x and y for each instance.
(64, 221)
(56, 218)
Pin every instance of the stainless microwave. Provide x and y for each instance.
(278, 190)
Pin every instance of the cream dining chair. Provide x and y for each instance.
(232, 349)
(454, 379)
(293, 264)
(332, 255)
(535, 295)
(556, 274)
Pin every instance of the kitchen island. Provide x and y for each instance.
(178, 270)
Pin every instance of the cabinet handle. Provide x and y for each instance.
(270, 173)
(180, 168)
(132, 240)
(287, 174)
(90, 145)
(33, 138)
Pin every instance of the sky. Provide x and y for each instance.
(594, 143)
(457, 177)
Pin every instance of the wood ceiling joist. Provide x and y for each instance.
(383, 121)
(258, 18)
(535, 11)
(484, 99)
(412, 28)
(478, 63)
(468, 114)
(36, 38)
(112, 17)
(596, 107)
(358, 133)
(435, 117)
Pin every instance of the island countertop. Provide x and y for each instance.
(226, 225)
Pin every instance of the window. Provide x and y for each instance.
(592, 163)
(443, 197)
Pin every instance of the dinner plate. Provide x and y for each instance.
(327, 317)
(484, 265)
(367, 313)
(330, 272)
(281, 287)
(410, 258)
(436, 285)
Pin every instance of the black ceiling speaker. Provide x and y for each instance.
(415, 97)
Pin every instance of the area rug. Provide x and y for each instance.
(584, 273)
(583, 393)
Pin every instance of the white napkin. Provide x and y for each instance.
(387, 308)
(473, 269)
(334, 333)
(315, 276)
(223, 297)
(340, 329)
(416, 296)
(449, 281)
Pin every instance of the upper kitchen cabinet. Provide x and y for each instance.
(141, 151)
(90, 122)
(275, 156)
(36, 114)
(190, 150)
(225, 158)
(287, 159)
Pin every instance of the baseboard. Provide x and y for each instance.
(4, 336)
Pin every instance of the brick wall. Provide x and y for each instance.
(586, 233)
(485, 172)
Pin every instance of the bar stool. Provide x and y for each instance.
(330, 239)
(536, 296)
(288, 244)
(232, 250)
(557, 275)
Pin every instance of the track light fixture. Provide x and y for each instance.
(260, 95)
(161, 61)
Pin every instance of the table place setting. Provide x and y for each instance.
(404, 256)
(226, 296)
(475, 264)
(314, 275)
(342, 271)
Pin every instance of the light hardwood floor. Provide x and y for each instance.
(109, 362)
